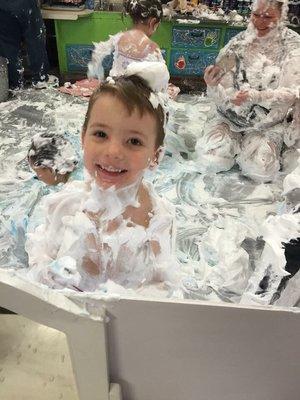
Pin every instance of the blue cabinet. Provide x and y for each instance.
(230, 33)
(190, 62)
(78, 56)
(204, 38)
(193, 49)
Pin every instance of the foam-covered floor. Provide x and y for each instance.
(219, 216)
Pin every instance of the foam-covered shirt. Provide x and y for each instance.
(60, 236)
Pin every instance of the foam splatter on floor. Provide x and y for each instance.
(218, 215)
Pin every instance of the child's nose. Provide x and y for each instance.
(114, 149)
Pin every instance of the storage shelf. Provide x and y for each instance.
(66, 15)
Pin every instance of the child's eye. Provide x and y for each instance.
(100, 134)
(135, 142)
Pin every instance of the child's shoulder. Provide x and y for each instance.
(136, 44)
(68, 199)
(162, 216)
(152, 208)
(161, 207)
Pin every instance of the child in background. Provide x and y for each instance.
(52, 157)
(112, 226)
(132, 45)
(123, 48)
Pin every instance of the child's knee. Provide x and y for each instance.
(259, 158)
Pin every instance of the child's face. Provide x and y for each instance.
(118, 147)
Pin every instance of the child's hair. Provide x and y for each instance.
(134, 93)
(49, 150)
(142, 10)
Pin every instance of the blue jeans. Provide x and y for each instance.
(21, 21)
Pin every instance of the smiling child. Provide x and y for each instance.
(112, 226)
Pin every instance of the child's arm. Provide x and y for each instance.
(162, 231)
(56, 247)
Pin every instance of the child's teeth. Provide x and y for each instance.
(112, 169)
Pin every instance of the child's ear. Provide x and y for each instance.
(153, 164)
(157, 157)
(153, 24)
(159, 153)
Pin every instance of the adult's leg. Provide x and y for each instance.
(292, 127)
(34, 33)
(291, 139)
(217, 147)
(10, 44)
(260, 155)
(292, 251)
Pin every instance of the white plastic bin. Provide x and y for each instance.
(168, 350)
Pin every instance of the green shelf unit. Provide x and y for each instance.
(163, 37)
(96, 27)
(197, 44)
(75, 39)
(84, 31)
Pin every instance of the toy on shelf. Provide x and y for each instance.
(233, 11)
(64, 5)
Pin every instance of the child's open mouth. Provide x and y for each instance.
(109, 170)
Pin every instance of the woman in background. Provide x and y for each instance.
(255, 85)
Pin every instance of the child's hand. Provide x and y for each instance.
(173, 91)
